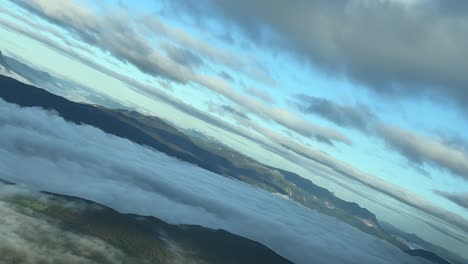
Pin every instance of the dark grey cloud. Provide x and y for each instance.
(223, 109)
(394, 48)
(182, 56)
(459, 198)
(226, 76)
(454, 140)
(85, 162)
(356, 116)
(422, 150)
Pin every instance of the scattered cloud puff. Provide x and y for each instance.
(85, 162)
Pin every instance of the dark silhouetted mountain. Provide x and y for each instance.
(154, 132)
(142, 239)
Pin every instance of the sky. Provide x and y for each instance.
(366, 98)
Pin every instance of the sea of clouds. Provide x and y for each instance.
(42, 151)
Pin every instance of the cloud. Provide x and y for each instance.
(112, 32)
(140, 87)
(85, 162)
(295, 123)
(459, 198)
(394, 48)
(309, 157)
(152, 24)
(449, 153)
(394, 192)
(260, 94)
(453, 140)
(115, 33)
(279, 115)
(248, 66)
(226, 76)
(182, 56)
(33, 237)
(227, 109)
(422, 150)
(356, 116)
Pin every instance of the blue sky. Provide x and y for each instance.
(276, 82)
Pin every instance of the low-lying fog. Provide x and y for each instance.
(39, 149)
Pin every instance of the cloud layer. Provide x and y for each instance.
(83, 161)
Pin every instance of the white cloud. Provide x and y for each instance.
(420, 150)
(43, 151)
